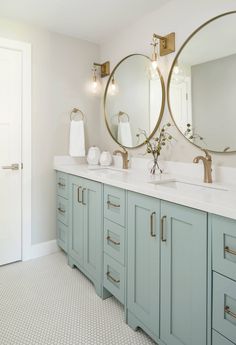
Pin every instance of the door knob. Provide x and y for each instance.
(14, 166)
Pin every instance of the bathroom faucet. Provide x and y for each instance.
(124, 157)
(207, 162)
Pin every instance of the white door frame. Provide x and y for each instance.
(25, 48)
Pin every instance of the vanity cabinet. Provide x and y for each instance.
(114, 241)
(143, 263)
(183, 279)
(62, 210)
(223, 232)
(85, 228)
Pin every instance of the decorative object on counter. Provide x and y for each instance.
(77, 137)
(93, 155)
(105, 158)
(104, 72)
(155, 145)
(124, 155)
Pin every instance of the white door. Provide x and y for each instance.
(10, 154)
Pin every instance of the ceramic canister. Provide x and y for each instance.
(93, 155)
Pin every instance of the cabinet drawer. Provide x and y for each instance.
(224, 246)
(62, 235)
(114, 240)
(62, 210)
(114, 278)
(218, 339)
(224, 306)
(62, 184)
(114, 204)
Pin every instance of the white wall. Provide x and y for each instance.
(182, 17)
(61, 70)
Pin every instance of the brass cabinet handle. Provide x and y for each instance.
(151, 224)
(14, 166)
(230, 251)
(61, 210)
(113, 241)
(61, 184)
(83, 190)
(78, 194)
(162, 229)
(228, 311)
(109, 276)
(109, 203)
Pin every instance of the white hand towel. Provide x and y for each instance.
(77, 141)
(124, 134)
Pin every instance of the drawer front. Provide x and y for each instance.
(62, 184)
(114, 241)
(114, 204)
(114, 278)
(62, 236)
(224, 306)
(62, 210)
(218, 339)
(224, 246)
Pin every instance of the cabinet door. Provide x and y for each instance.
(183, 275)
(143, 259)
(76, 220)
(93, 232)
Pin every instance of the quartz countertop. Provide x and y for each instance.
(219, 198)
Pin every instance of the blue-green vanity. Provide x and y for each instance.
(173, 267)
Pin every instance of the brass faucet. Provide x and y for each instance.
(207, 162)
(124, 157)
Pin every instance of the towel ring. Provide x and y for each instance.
(122, 113)
(76, 112)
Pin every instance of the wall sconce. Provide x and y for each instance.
(166, 46)
(104, 72)
(113, 88)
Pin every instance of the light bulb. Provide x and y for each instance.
(94, 84)
(176, 69)
(154, 64)
(113, 87)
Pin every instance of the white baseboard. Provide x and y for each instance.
(44, 248)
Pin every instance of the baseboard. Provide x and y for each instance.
(44, 248)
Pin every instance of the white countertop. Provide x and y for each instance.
(210, 200)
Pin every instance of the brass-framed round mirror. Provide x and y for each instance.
(134, 101)
(201, 86)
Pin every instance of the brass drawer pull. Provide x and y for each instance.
(78, 195)
(230, 251)
(61, 210)
(109, 203)
(151, 224)
(61, 184)
(228, 311)
(83, 190)
(112, 241)
(113, 279)
(162, 229)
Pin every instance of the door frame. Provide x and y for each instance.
(25, 49)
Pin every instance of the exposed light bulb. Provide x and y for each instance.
(113, 87)
(154, 64)
(176, 69)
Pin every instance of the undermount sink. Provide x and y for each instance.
(187, 186)
(106, 170)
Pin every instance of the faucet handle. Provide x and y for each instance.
(208, 156)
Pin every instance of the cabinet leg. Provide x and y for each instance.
(71, 262)
(105, 293)
(132, 321)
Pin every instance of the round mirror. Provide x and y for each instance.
(134, 100)
(202, 85)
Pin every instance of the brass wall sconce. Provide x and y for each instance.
(105, 68)
(166, 46)
(104, 72)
